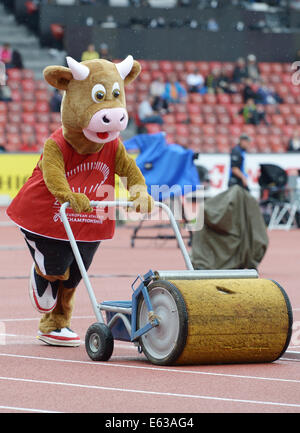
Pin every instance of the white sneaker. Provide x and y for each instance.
(43, 293)
(60, 337)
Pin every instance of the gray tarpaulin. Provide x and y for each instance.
(234, 235)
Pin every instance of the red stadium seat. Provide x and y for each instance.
(178, 66)
(183, 140)
(278, 119)
(14, 74)
(28, 106)
(182, 130)
(276, 68)
(222, 129)
(195, 130)
(3, 107)
(14, 108)
(209, 98)
(295, 109)
(207, 109)
(28, 118)
(196, 98)
(42, 85)
(27, 128)
(224, 119)
(14, 84)
(42, 95)
(195, 142)
(41, 128)
(262, 143)
(210, 119)
(262, 130)
(170, 129)
(222, 143)
(203, 67)
(170, 139)
(42, 107)
(276, 143)
(236, 98)
(27, 74)
(196, 119)
(235, 130)
(292, 120)
(264, 68)
(13, 141)
(3, 118)
(238, 120)
(190, 66)
(208, 130)
(28, 85)
(166, 66)
(181, 117)
(169, 118)
(16, 96)
(12, 128)
(223, 98)
(14, 118)
(193, 108)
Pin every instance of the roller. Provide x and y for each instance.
(217, 321)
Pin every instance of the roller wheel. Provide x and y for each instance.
(163, 344)
(99, 342)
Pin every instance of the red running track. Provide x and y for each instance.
(38, 378)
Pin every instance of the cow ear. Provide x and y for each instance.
(58, 76)
(135, 70)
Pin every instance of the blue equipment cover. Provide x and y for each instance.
(164, 164)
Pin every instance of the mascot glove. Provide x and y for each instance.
(143, 202)
(79, 202)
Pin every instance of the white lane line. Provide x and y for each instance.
(139, 391)
(138, 367)
(27, 409)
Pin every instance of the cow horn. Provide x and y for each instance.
(79, 71)
(125, 67)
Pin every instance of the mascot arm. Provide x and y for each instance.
(126, 167)
(53, 168)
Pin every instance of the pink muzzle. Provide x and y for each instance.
(106, 125)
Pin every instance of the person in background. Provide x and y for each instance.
(16, 60)
(240, 71)
(157, 88)
(90, 53)
(253, 115)
(294, 142)
(238, 175)
(146, 113)
(55, 101)
(6, 54)
(252, 68)
(104, 53)
(174, 92)
(195, 82)
(5, 94)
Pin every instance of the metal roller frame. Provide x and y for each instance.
(190, 273)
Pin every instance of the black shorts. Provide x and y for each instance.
(54, 257)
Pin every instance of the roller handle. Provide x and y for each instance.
(121, 203)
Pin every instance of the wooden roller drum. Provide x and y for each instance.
(216, 321)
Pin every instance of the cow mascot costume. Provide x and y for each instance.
(77, 160)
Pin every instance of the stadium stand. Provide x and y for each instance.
(205, 123)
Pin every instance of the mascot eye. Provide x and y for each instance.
(98, 93)
(116, 90)
(116, 93)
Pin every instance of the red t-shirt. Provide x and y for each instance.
(35, 209)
